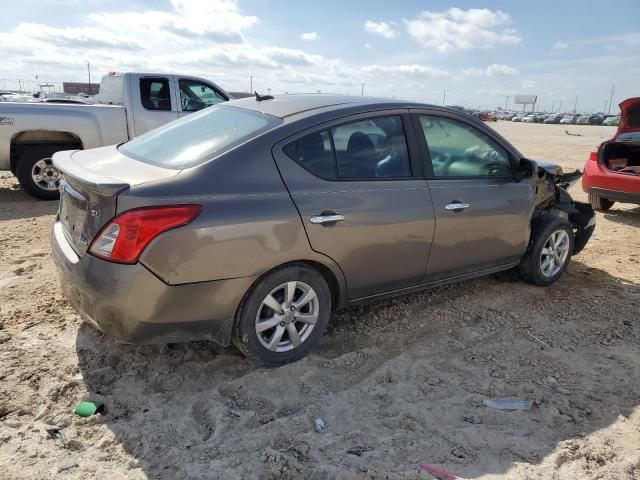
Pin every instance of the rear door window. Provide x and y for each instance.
(314, 153)
(371, 149)
(155, 93)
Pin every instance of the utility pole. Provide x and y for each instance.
(552, 106)
(605, 105)
(575, 106)
(560, 107)
(89, 72)
(506, 102)
(611, 99)
(250, 83)
(444, 95)
(362, 90)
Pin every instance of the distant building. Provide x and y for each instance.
(74, 88)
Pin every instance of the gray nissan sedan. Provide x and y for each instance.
(252, 220)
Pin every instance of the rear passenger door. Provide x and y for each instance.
(363, 201)
(154, 102)
(482, 212)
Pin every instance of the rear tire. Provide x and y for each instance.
(274, 336)
(550, 249)
(599, 203)
(35, 172)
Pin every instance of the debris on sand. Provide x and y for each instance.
(509, 404)
(319, 424)
(67, 464)
(358, 450)
(573, 134)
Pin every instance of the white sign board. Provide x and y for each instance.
(525, 99)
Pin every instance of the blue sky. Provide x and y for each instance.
(479, 52)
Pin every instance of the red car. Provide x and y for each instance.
(612, 173)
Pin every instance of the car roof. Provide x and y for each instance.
(288, 105)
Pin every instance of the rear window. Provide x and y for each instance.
(198, 137)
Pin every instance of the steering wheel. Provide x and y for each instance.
(492, 168)
(446, 160)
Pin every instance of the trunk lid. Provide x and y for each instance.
(92, 180)
(629, 127)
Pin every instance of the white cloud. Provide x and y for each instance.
(309, 36)
(497, 69)
(560, 46)
(456, 29)
(492, 70)
(383, 29)
(368, 46)
(407, 70)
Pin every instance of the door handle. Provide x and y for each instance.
(456, 206)
(320, 219)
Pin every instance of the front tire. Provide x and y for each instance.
(549, 252)
(283, 316)
(599, 203)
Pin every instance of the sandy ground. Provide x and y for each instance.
(403, 380)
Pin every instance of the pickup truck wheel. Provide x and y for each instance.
(599, 203)
(549, 252)
(36, 173)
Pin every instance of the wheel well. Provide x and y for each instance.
(31, 138)
(327, 274)
(329, 277)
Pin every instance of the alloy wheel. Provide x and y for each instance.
(45, 175)
(554, 253)
(287, 316)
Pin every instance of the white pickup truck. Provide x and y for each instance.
(129, 104)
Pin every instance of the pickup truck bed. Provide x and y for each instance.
(130, 104)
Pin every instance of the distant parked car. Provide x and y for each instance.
(553, 118)
(249, 222)
(612, 172)
(583, 120)
(612, 121)
(568, 119)
(518, 117)
(531, 118)
(596, 119)
(488, 117)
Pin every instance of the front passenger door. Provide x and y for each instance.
(482, 213)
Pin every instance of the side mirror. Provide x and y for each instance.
(524, 169)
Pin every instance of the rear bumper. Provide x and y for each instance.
(622, 197)
(130, 304)
(618, 187)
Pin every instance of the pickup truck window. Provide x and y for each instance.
(155, 93)
(199, 137)
(195, 95)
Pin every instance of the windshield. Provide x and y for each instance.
(198, 137)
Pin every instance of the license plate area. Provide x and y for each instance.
(73, 214)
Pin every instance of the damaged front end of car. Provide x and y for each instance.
(552, 198)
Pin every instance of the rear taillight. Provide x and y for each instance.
(124, 238)
(593, 154)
